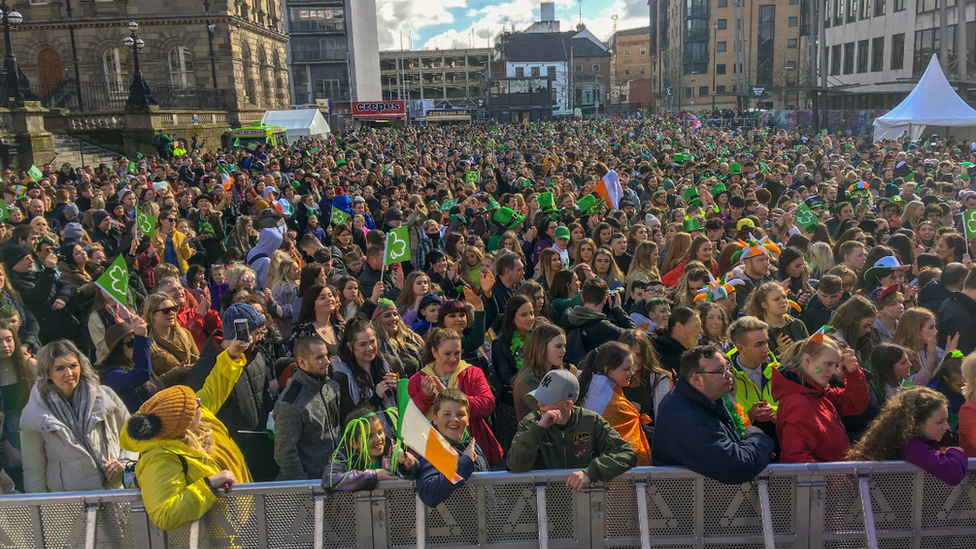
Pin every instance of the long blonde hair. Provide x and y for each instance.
(278, 272)
(908, 332)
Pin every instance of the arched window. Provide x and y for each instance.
(113, 67)
(181, 67)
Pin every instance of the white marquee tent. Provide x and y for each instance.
(933, 102)
(298, 123)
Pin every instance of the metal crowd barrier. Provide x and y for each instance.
(788, 506)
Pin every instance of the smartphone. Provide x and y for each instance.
(240, 330)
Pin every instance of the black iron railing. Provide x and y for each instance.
(102, 96)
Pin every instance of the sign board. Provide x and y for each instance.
(248, 133)
(378, 109)
(324, 105)
(668, 92)
(756, 92)
(447, 113)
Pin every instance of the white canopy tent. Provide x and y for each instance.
(298, 123)
(933, 102)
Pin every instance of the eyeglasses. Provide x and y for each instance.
(723, 372)
(168, 310)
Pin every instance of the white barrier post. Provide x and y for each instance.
(421, 518)
(645, 530)
(543, 516)
(318, 540)
(90, 526)
(194, 535)
(767, 514)
(868, 512)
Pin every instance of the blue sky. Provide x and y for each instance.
(463, 23)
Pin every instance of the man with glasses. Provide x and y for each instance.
(694, 428)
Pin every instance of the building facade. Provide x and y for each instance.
(333, 52)
(875, 52)
(711, 52)
(450, 79)
(248, 52)
(632, 61)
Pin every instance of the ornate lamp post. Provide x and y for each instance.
(139, 92)
(18, 87)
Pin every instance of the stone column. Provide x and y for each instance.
(35, 145)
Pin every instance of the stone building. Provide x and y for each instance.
(631, 50)
(248, 54)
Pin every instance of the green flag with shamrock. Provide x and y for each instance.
(5, 213)
(968, 223)
(115, 280)
(472, 176)
(35, 173)
(339, 217)
(146, 223)
(397, 246)
(806, 218)
(448, 204)
(133, 168)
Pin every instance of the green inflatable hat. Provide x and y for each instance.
(546, 201)
(691, 224)
(735, 169)
(588, 205)
(506, 217)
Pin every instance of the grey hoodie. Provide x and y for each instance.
(269, 240)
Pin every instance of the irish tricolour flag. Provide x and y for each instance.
(609, 188)
(607, 398)
(417, 433)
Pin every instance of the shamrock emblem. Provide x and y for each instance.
(145, 225)
(394, 240)
(120, 279)
(804, 216)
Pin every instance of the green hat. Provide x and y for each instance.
(526, 183)
(966, 168)
(681, 158)
(691, 196)
(691, 224)
(546, 201)
(718, 189)
(735, 169)
(562, 231)
(507, 218)
(588, 205)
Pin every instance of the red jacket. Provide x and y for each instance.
(470, 381)
(808, 422)
(201, 327)
(673, 277)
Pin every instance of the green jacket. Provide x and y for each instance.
(587, 442)
(745, 391)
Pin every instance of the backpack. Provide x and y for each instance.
(255, 258)
(575, 346)
(129, 480)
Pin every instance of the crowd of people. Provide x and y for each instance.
(743, 298)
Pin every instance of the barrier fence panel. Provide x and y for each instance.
(811, 506)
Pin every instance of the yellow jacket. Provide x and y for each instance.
(171, 497)
(183, 250)
(745, 391)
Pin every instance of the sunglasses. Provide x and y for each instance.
(168, 310)
(168, 219)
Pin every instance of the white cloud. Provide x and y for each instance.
(394, 16)
(474, 25)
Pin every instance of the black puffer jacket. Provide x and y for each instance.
(246, 409)
(39, 290)
(932, 295)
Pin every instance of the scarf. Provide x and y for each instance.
(517, 343)
(75, 416)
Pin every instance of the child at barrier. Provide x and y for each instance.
(450, 417)
(365, 456)
(910, 427)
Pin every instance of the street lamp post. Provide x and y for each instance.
(139, 92)
(74, 56)
(18, 87)
(211, 29)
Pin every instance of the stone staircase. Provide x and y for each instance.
(71, 149)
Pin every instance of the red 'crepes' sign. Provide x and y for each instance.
(378, 109)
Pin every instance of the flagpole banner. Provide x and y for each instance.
(339, 217)
(115, 280)
(969, 223)
(397, 246)
(417, 433)
(35, 173)
(146, 223)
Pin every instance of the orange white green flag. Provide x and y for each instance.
(417, 433)
(610, 190)
(607, 398)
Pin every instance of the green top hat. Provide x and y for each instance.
(735, 169)
(546, 201)
(506, 217)
(691, 196)
(588, 205)
(966, 168)
(681, 158)
(718, 189)
(691, 224)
